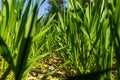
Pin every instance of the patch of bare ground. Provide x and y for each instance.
(50, 66)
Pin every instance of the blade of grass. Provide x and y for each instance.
(39, 35)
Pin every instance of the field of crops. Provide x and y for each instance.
(83, 43)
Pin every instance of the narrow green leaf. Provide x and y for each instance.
(61, 21)
(50, 20)
(40, 34)
(5, 52)
(32, 62)
(85, 32)
(103, 15)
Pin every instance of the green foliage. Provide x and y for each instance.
(86, 36)
(89, 36)
(55, 6)
(17, 35)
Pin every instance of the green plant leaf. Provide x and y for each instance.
(32, 62)
(40, 34)
(4, 51)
